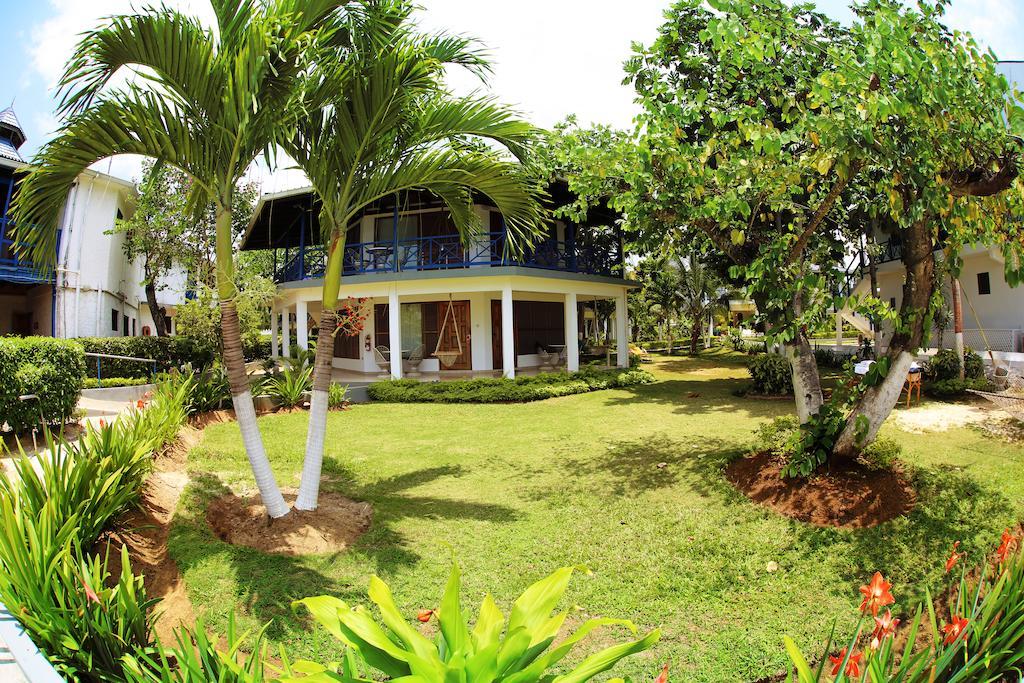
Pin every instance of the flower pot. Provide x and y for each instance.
(264, 403)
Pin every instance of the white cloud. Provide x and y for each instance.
(993, 23)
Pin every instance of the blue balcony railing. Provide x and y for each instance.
(15, 269)
(449, 252)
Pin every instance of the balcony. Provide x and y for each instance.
(448, 252)
(16, 270)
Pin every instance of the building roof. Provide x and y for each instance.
(11, 135)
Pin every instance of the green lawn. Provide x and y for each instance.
(519, 490)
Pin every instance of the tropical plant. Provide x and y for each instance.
(699, 293)
(771, 374)
(291, 384)
(513, 649)
(337, 396)
(384, 124)
(207, 102)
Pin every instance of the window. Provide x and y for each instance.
(408, 228)
(113, 319)
(124, 330)
(347, 346)
(984, 284)
(133, 327)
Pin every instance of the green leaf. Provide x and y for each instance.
(606, 659)
(392, 618)
(537, 602)
(453, 625)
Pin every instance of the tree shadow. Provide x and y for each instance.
(268, 583)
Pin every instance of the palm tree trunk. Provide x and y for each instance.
(309, 488)
(234, 364)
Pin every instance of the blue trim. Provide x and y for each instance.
(394, 235)
(34, 665)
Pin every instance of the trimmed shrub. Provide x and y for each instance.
(974, 366)
(495, 390)
(772, 374)
(108, 382)
(943, 366)
(49, 368)
(168, 352)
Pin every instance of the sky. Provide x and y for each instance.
(551, 58)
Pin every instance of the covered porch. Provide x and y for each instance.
(459, 327)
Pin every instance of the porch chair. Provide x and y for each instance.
(913, 383)
(382, 355)
(411, 365)
(547, 359)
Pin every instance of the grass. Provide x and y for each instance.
(518, 490)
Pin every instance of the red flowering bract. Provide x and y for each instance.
(90, 594)
(1007, 545)
(663, 677)
(852, 666)
(954, 557)
(876, 595)
(954, 629)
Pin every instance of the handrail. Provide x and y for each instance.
(99, 365)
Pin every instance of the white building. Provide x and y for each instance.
(404, 258)
(94, 291)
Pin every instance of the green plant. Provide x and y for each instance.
(974, 366)
(49, 369)
(516, 649)
(290, 384)
(197, 659)
(881, 454)
(771, 373)
(107, 382)
(168, 352)
(211, 391)
(830, 358)
(778, 436)
(944, 365)
(337, 396)
(956, 388)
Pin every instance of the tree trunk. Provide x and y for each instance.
(668, 335)
(159, 322)
(309, 488)
(695, 330)
(806, 380)
(958, 324)
(877, 402)
(245, 413)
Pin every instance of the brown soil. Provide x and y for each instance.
(333, 527)
(847, 496)
(202, 420)
(145, 530)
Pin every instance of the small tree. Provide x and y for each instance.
(699, 288)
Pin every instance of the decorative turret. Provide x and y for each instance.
(12, 136)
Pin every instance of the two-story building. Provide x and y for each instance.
(94, 291)
(467, 307)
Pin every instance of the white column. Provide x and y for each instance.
(275, 345)
(395, 334)
(572, 338)
(508, 340)
(286, 333)
(839, 330)
(301, 325)
(621, 327)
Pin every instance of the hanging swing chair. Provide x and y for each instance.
(1010, 397)
(447, 356)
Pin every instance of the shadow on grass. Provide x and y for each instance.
(267, 584)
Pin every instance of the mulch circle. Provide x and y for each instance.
(333, 527)
(847, 496)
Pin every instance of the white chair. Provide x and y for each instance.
(411, 365)
(382, 355)
(547, 359)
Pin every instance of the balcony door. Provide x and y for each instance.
(442, 247)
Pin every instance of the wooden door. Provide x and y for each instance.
(455, 329)
(496, 353)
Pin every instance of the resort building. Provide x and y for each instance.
(94, 291)
(462, 307)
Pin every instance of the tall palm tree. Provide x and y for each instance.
(383, 124)
(205, 101)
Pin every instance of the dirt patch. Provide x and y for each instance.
(333, 527)
(848, 496)
(145, 531)
(203, 420)
(940, 417)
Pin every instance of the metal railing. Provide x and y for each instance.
(99, 363)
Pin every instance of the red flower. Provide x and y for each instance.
(1007, 545)
(663, 678)
(103, 423)
(90, 594)
(954, 629)
(424, 615)
(140, 404)
(954, 557)
(852, 666)
(885, 626)
(876, 595)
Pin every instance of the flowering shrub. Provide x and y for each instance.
(352, 315)
(982, 639)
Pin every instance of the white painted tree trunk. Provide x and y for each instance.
(245, 413)
(309, 488)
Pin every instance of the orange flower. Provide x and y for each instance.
(90, 594)
(140, 404)
(852, 666)
(954, 557)
(663, 677)
(954, 629)
(885, 626)
(1007, 545)
(424, 615)
(103, 423)
(876, 595)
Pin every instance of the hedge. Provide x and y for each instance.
(50, 368)
(494, 390)
(772, 374)
(108, 382)
(168, 352)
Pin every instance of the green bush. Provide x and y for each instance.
(289, 385)
(337, 396)
(772, 374)
(974, 366)
(881, 454)
(944, 365)
(168, 352)
(108, 382)
(501, 390)
(516, 649)
(830, 358)
(778, 437)
(51, 369)
(956, 388)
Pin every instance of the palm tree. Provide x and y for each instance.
(207, 102)
(660, 291)
(699, 292)
(383, 124)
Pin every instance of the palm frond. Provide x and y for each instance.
(445, 118)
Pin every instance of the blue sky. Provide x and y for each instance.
(552, 57)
